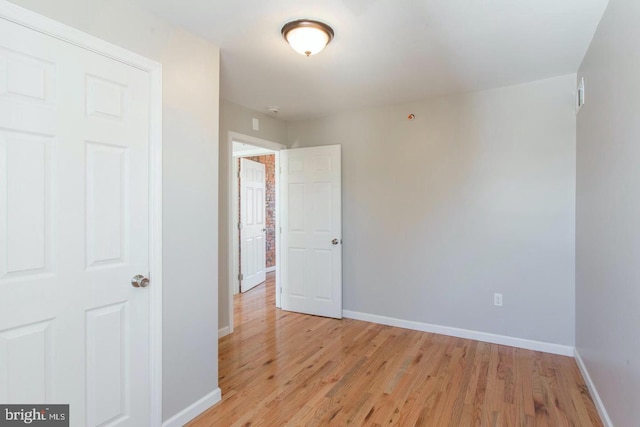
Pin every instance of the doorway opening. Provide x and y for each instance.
(255, 207)
(244, 271)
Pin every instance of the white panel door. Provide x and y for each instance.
(74, 221)
(312, 231)
(253, 225)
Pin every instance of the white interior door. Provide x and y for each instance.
(312, 231)
(253, 225)
(74, 221)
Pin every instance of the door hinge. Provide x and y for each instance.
(239, 226)
(240, 276)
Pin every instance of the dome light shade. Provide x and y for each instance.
(307, 37)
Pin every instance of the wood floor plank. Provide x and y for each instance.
(279, 368)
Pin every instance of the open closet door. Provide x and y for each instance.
(312, 231)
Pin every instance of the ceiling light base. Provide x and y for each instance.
(307, 36)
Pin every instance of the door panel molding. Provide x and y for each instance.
(16, 14)
(311, 255)
(253, 230)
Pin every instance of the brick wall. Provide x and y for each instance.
(269, 163)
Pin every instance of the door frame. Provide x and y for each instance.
(42, 24)
(232, 195)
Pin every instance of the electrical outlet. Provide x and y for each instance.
(497, 300)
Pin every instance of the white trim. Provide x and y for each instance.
(270, 269)
(44, 25)
(563, 350)
(602, 411)
(234, 235)
(223, 332)
(278, 231)
(232, 197)
(252, 153)
(193, 410)
(155, 244)
(252, 140)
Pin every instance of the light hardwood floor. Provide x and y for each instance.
(280, 368)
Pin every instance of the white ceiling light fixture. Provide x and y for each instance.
(306, 36)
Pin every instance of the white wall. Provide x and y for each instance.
(190, 188)
(608, 213)
(235, 118)
(190, 226)
(474, 196)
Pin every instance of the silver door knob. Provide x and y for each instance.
(140, 281)
(335, 241)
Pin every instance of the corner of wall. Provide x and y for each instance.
(602, 411)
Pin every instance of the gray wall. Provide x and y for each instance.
(608, 213)
(474, 196)
(190, 187)
(234, 118)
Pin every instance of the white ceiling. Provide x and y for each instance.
(385, 51)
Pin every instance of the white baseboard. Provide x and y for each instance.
(223, 332)
(602, 411)
(270, 269)
(563, 350)
(193, 410)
